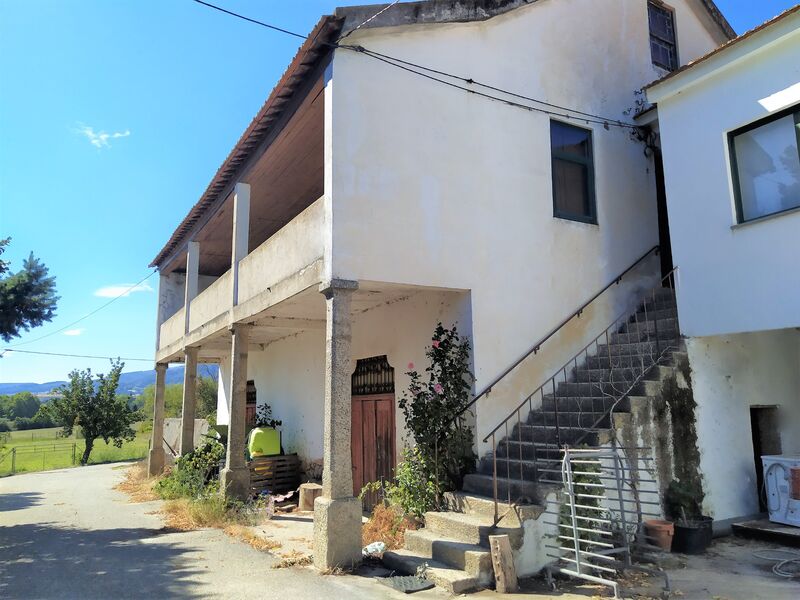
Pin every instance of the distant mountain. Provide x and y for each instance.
(133, 382)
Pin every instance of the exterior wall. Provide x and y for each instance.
(432, 186)
(289, 373)
(730, 374)
(732, 278)
(214, 300)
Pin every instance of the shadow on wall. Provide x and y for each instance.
(19, 501)
(48, 561)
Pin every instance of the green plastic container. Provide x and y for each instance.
(264, 441)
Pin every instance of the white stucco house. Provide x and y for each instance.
(729, 131)
(472, 162)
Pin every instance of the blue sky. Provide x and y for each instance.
(114, 116)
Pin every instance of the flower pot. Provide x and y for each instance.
(692, 536)
(659, 533)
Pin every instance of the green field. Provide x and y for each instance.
(44, 449)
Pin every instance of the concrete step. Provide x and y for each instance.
(483, 507)
(549, 434)
(473, 559)
(566, 419)
(608, 389)
(640, 333)
(588, 375)
(597, 404)
(519, 492)
(474, 528)
(640, 324)
(446, 577)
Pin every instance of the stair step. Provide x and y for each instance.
(585, 374)
(476, 528)
(520, 492)
(449, 578)
(634, 334)
(473, 559)
(610, 390)
(549, 434)
(567, 419)
(655, 315)
(650, 324)
(596, 404)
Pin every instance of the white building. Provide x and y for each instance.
(729, 128)
(410, 201)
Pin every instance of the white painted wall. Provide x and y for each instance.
(432, 186)
(732, 279)
(289, 373)
(730, 374)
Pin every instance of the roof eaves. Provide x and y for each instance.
(313, 48)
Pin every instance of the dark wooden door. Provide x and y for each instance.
(373, 441)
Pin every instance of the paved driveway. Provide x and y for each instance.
(69, 534)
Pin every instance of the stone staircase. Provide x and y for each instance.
(454, 544)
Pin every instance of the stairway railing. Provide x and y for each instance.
(623, 370)
(535, 349)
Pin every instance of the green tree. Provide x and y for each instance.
(22, 405)
(95, 407)
(207, 398)
(27, 298)
(173, 400)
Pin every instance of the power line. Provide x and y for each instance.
(568, 113)
(74, 355)
(377, 14)
(87, 315)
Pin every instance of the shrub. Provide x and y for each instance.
(264, 417)
(193, 473)
(387, 525)
(432, 408)
(413, 489)
(4, 425)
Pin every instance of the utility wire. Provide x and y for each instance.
(87, 315)
(412, 68)
(74, 355)
(377, 14)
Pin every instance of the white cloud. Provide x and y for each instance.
(100, 139)
(122, 289)
(74, 331)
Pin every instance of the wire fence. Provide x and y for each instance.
(38, 457)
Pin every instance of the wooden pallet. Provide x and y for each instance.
(278, 474)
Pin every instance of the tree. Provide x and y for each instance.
(27, 298)
(173, 400)
(95, 407)
(207, 398)
(22, 405)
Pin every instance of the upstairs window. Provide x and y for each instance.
(663, 49)
(766, 165)
(573, 172)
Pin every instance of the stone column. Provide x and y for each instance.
(192, 280)
(241, 234)
(156, 458)
(337, 514)
(234, 479)
(189, 400)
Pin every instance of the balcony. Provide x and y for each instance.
(295, 248)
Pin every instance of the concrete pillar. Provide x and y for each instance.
(192, 276)
(189, 400)
(234, 479)
(337, 514)
(241, 233)
(156, 458)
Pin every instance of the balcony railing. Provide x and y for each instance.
(297, 245)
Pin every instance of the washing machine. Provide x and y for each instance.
(782, 507)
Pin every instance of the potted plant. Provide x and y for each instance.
(265, 439)
(692, 528)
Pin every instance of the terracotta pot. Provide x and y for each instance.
(659, 533)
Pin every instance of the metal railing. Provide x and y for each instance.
(61, 450)
(534, 350)
(580, 398)
(607, 494)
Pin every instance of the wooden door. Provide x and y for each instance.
(373, 442)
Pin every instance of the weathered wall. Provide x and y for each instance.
(289, 373)
(471, 206)
(732, 279)
(730, 374)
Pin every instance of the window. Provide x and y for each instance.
(573, 172)
(766, 165)
(663, 49)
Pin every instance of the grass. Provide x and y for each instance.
(44, 449)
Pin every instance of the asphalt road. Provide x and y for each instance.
(69, 534)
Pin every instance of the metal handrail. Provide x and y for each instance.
(536, 347)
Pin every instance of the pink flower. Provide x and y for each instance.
(437, 387)
(435, 343)
(410, 366)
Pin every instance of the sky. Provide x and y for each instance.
(114, 116)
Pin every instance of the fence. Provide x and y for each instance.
(38, 457)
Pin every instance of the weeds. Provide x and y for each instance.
(386, 525)
(137, 484)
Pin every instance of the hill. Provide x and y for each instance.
(132, 382)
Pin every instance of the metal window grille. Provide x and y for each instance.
(373, 376)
